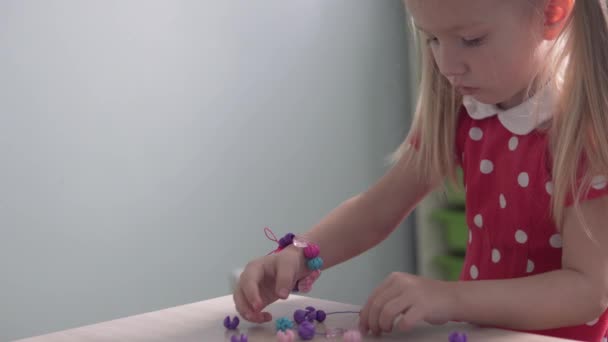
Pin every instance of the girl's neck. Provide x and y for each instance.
(520, 96)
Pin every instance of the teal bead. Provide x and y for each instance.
(284, 323)
(315, 263)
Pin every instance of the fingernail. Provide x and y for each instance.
(283, 293)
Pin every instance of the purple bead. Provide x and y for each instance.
(458, 337)
(310, 308)
(286, 240)
(237, 338)
(306, 330)
(231, 325)
(321, 316)
(299, 316)
(311, 315)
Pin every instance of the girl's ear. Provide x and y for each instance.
(557, 13)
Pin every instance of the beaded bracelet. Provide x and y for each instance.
(311, 252)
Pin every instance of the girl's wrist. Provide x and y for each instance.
(453, 300)
(308, 256)
(310, 261)
(302, 270)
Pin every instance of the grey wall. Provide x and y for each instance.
(145, 144)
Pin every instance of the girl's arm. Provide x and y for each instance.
(574, 295)
(363, 221)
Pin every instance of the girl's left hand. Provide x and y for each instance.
(411, 297)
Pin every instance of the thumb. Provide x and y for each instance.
(285, 277)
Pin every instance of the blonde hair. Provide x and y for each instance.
(578, 132)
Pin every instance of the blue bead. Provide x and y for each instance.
(315, 263)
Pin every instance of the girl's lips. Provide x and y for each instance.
(466, 90)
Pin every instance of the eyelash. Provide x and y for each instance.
(466, 42)
(473, 42)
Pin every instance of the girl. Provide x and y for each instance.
(516, 93)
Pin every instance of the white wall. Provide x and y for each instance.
(145, 144)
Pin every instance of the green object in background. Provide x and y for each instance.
(453, 223)
(450, 266)
(454, 226)
(455, 195)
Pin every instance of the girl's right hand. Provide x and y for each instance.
(267, 279)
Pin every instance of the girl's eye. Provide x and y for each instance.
(472, 42)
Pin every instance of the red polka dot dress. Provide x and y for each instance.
(507, 176)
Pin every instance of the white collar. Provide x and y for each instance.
(521, 119)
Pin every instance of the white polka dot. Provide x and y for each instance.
(556, 241)
(474, 272)
(549, 188)
(476, 133)
(503, 201)
(513, 142)
(478, 219)
(605, 339)
(523, 179)
(486, 167)
(590, 323)
(495, 255)
(530, 266)
(521, 236)
(599, 182)
(470, 236)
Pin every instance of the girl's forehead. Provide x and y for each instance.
(452, 15)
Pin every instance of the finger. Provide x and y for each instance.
(284, 275)
(244, 309)
(409, 318)
(391, 312)
(364, 314)
(266, 316)
(378, 305)
(249, 282)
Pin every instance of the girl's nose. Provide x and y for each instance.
(450, 64)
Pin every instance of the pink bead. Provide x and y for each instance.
(333, 333)
(352, 336)
(315, 275)
(311, 251)
(286, 336)
(300, 242)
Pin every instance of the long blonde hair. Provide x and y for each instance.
(578, 132)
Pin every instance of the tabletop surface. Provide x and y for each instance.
(203, 321)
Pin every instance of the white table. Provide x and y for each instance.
(202, 321)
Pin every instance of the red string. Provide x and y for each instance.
(269, 231)
(272, 237)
